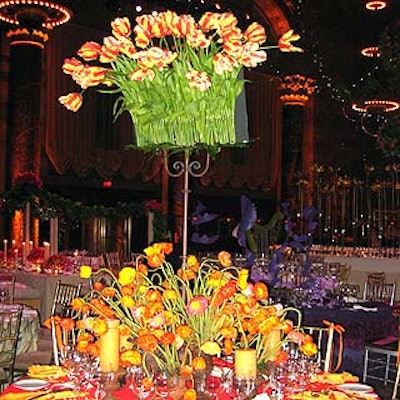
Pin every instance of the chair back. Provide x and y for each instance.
(7, 288)
(377, 278)
(381, 292)
(103, 276)
(63, 296)
(113, 259)
(10, 322)
(323, 338)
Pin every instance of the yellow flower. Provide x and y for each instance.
(85, 271)
(127, 276)
(211, 348)
(128, 301)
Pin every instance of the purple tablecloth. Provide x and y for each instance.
(361, 327)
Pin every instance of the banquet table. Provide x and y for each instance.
(46, 285)
(363, 322)
(29, 332)
(324, 386)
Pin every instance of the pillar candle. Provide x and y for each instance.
(109, 347)
(27, 222)
(23, 252)
(5, 242)
(46, 250)
(245, 364)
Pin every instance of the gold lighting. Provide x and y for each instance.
(371, 52)
(50, 14)
(376, 5)
(296, 89)
(375, 105)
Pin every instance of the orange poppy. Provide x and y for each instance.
(184, 331)
(225, 258)
(147, 342)
(190, 394)
(260, 291)
(186, 370)
(98, 286)
(199, 363)
(167, 338)
(68, 324)
(130, 357)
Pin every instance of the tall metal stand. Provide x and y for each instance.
(185, 168)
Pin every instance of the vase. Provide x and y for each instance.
(211, 125)
(272, 345)
(170, 384)
(246, 364)
(109, 347)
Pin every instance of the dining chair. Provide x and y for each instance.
(7, 288)
(380, 358)
(382, 292)
(113, 259)
(377, 277)
(396, 381)
(63, 295)
(323, 338)
(10, 322)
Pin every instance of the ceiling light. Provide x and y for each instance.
(376, 5)
(372, 51)
(375, 106)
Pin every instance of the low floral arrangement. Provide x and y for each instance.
(177, 77)
(175, 320)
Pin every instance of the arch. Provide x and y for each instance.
(274, 15)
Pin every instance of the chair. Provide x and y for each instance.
(396, 382)
(102, 276)
(61, 306)
(7, 288)
(377, 277)
(10, 322)
(380, 360)
(113, 259)
(323, 338)
(64, 294)
(382, 292)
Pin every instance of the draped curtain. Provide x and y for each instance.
(256, 167)
(89, 140)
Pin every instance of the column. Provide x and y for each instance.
(297, 140)
(29, 21)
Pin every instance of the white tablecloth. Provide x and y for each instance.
(361, 267)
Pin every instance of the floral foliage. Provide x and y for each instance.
(168, 69)
(176, 318)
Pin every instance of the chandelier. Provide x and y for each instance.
(32, 19)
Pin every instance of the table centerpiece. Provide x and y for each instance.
(175, 321)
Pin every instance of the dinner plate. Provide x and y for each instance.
(31, 384)
(356, 387)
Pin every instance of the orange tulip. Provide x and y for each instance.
(72, 101)
(199, 363)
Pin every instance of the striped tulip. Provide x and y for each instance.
(72, 101)
(141, 74)
(285, 44)
(71, 65)
(143, 37)
(255, 33)
(89, 51)
(121, 27)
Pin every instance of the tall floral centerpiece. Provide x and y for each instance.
(177, 77)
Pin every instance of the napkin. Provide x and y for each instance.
(358, 307)
(308, 395)
(49, 372)
(21, 395)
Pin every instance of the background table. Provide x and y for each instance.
(29, 329)
(46, 285)
(361, 327)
